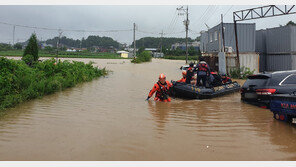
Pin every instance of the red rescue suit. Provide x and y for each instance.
(161, 91)
(226, 80)
(182, 79)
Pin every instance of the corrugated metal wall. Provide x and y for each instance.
(293, 38)
(260, 45)
(250, 60)
(279, 40)
(203, 41)
(279, 62)
(246, 37)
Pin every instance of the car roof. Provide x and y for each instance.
(275, 74)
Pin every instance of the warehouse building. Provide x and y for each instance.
(277, 48)
(211, 44)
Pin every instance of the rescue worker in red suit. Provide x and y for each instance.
(189, 73)
(226, 79)
(183, 79)
(161, 88)
(203, 71)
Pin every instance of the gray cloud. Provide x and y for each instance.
(148, 18)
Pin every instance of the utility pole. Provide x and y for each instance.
(58, 43)
(134, 40)
(13, 34)
(223, 38)
(236, 44)
(186, 23)
(161, 40)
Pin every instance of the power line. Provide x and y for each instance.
(57, 29)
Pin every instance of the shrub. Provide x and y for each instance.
(241, 73)
(19, 82)
(144, 56)
(28, 59)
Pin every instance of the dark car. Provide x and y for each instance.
(258, 88)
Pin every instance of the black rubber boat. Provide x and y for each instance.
(188, 91)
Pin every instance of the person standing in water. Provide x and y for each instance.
(161, 88)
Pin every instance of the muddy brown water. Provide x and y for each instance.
(109, 119)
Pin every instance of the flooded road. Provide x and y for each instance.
(109, 119)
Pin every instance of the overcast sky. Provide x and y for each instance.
(150, 20)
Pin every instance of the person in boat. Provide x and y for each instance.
(183, 79)
(203, 72)
(161, 88)
(193, 81)
(226, 79)
(215, 79)
(189, 73)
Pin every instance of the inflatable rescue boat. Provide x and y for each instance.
(188, 91)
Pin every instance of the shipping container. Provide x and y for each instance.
(281, 40)
(260, 45)
(262, 63)
(245, 32)
(249, 60)
(203, 41)
(280, 62)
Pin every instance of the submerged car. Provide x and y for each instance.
(258, 88)
(283, 107)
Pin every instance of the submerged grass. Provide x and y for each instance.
(63, 54)
(19, 82)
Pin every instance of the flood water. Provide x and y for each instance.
(109, 119)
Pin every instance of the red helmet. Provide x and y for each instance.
(184, 73)
(162, 76)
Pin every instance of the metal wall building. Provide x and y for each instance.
(203, 41)
(246, 37)
(211, 44)
(277, 48)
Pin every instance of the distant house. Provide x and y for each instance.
(182, 46)
(151, 49)
(43, 45)
(71, 50)
(123, 54)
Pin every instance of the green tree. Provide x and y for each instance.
(48, 49)
(32, 48)
(291, 23)
(192, 51)
(18, 46)
(141, 49)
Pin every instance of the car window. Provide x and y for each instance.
(290, 80)
(255, 82)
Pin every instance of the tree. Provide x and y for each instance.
(32, 48)
(48, 49)
(291, 23)
(192, 51)
(18, 46)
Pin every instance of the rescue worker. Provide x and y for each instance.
(161, 88)
(226, 79)
(189, 73)
(193, 81)
(183, 79)
(216, 79)
(203, 71)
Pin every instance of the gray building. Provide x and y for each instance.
(277, 48)
(211, 40)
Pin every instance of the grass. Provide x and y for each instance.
(19, 82)
(63, 54)
(181, 57)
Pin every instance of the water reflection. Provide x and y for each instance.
(108, 119)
